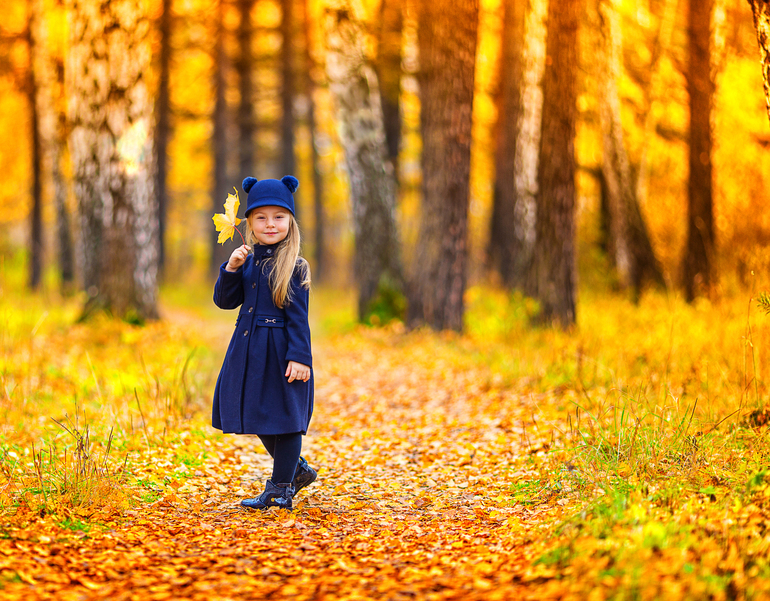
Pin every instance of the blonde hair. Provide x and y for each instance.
(284, 264)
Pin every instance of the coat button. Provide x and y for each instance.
(256, 262)
(251, 309)
(246, 333)
(269, 251)
(253, 284)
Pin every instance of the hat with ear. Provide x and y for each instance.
(270, 193)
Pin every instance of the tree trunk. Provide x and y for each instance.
(504, 247)
(554, 273)
(36, 212)
(163, 126)
(65, 254)
(219, 252)
(389, 42)
(353, 84)
(447, 37)
(288, 163)
(320, 268)
(761, 12)
(528, 143)
(244, 66)
(112, 156)
(698, 267)
(628, 242)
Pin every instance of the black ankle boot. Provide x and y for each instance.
(303, 476)
(275, 495)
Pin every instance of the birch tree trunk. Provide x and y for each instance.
(220, 187)
(353, 84)
(112, 155)
(698, 265)
(528, 141)
(554, 273)
(761, 11)
(389, 41)
(503, 245)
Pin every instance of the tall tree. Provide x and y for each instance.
(447, 37)
(288, 165)
(388, 66)
(111, 142)
(244, 65)
(36, 213)
(163, 124)
(65, 252)
(698, 264)
(320, 267)
(504, 248)
(219, 252)
(761, 11)
(630, 246)
(372, 185)
(554, 273)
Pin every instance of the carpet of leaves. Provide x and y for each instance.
(439, 478)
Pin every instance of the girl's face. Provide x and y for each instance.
(270, 224)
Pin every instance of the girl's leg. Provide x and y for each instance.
(286, 456)
(268, 440)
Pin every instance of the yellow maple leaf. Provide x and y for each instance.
(227, 222)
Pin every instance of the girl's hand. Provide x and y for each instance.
(297, 371)
(238, 258)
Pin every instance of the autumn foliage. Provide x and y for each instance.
(624, 460)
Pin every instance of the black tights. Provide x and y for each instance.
(285, 450)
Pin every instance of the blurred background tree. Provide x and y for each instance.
(670, 144)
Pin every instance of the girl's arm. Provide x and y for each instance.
(228, 291)
(297, 327)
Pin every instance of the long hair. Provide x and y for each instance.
(284, 264)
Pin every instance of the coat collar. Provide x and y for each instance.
(265, 250)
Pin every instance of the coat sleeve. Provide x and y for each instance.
(297, 326)
(228, 291)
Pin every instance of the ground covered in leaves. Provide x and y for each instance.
(628, 459)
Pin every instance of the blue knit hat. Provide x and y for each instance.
(270, 192)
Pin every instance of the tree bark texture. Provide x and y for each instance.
(528, 142)
(554, 273)
(65, 248)
(320, 267)
(220, 189)
(629, 243)
(698, 264)
(112, 155)
(447, 38)
(389, 42)
(163, 125)
(36, 146)
(761, 11)
(504, 246)
(288, 165)
(353, 84)
(244, 65)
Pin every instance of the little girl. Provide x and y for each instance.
(266, 383)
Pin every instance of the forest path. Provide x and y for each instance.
(417, 457)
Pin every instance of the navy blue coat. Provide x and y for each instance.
(253, 396)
